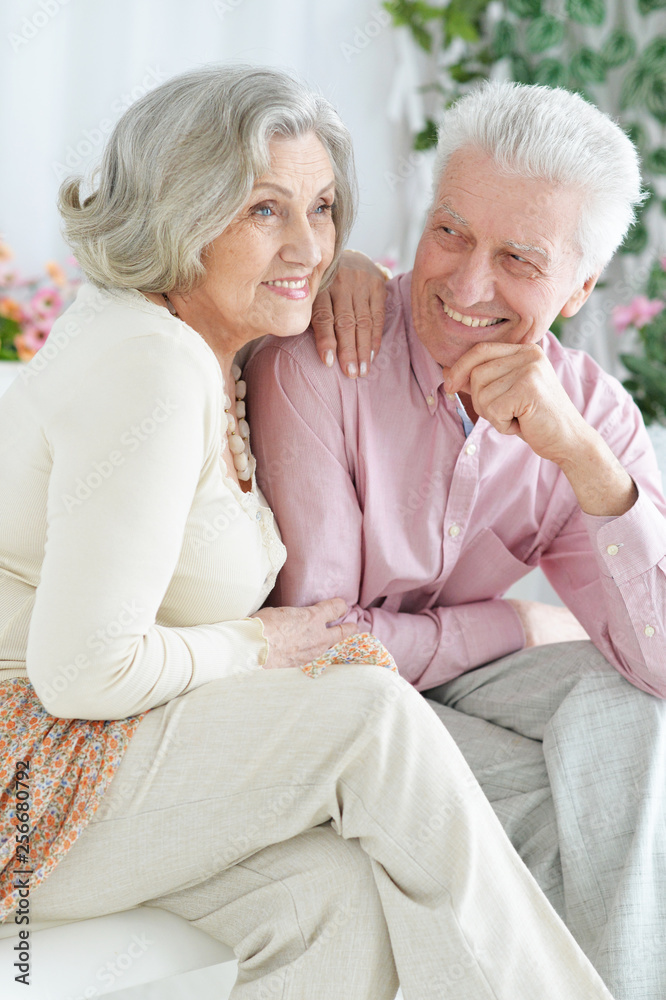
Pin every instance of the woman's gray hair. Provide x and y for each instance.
(180, 164)
(553, 134)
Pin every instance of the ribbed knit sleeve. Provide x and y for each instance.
(128, 451)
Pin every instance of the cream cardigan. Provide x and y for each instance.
(129, 559)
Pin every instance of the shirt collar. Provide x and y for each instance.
(427, 372)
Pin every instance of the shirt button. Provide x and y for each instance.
(450, 395)
(454, 531)
(470, 449)
(430, 400)
(258, 515)
(649, 631)
(612, 550)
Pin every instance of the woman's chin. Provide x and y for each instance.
(292, 321)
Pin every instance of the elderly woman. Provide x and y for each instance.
(326, 827)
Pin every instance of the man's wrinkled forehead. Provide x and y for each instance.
(444, 208)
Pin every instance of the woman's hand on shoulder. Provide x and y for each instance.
(297, 635)
(348, 316)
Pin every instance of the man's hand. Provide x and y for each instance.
(348, 316)
(546, 623)
(515, 388)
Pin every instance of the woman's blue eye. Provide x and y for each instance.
(264, 210)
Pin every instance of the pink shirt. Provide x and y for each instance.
(382, 500)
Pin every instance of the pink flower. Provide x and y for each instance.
(639, 312)
(29, 342)
(46, 304)
(663, 263)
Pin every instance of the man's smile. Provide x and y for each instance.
(470, 320)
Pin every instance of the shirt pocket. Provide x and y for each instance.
(485, 570)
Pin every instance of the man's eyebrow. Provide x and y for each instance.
(443, 206)
(286, 191)
(529, 248)
(523, 247)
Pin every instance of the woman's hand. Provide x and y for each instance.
(297, 635)
(348, 317)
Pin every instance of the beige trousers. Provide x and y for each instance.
(331, 832)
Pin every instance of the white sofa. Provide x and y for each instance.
(94, 958)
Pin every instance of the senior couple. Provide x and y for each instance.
(222, 205)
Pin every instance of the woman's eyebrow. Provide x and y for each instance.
(285, 191)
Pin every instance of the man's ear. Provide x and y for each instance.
(580, 296)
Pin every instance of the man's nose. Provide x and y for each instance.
(301, 244)
(472, 281)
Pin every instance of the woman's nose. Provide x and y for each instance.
(301, 245)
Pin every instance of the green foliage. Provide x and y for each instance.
(647, 381)
(427, 138)
(543, 33)
(9, 328)
(521, 70)
(636, 133)
(551, 73)
(647, 6)
(636, 239)
(635, 87)
(618, 48)
(586, 11)
(654, 55)
(656, 283)
(655, 99)
(587, 66)
(505, 39)
(524, 8)
(655, 161)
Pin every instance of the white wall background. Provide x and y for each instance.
(68, 67)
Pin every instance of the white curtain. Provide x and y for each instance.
(68, 67)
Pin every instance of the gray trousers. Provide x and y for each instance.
(573, 760)
(331, 832)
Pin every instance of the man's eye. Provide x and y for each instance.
(449, 231)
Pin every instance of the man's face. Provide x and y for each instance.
(496, 261)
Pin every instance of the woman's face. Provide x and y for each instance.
(264, 271)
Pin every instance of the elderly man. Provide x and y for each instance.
(476, 448)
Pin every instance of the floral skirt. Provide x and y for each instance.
(53, 774)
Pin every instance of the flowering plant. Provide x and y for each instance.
(29, 306)
(646, 314)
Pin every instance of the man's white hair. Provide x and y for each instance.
(552, 134)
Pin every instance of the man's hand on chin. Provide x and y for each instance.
(515, 388)
(546, 623)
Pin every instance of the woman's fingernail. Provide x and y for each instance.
(364, 368)
(372, 356)
(351, 370)
(329, 359)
